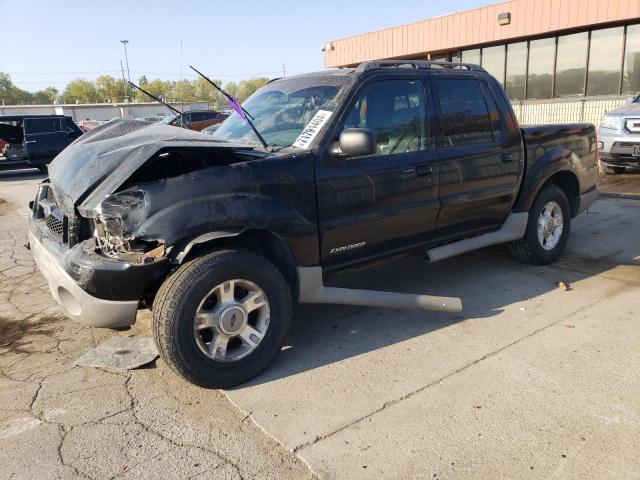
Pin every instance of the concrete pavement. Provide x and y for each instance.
(58, 420)
(531, 380)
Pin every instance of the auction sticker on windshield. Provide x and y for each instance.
(312, 129)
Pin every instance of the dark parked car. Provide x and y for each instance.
(196, 120)
(221, 234)
(35, 140)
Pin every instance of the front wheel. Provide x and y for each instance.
(220, 319)
(547, 229)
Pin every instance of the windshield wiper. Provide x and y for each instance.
(235, 104)
(175, 110)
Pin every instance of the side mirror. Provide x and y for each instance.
(355, 142)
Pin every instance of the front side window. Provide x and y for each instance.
(466, 119)
(395, 110)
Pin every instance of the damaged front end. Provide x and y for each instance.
(115, 221)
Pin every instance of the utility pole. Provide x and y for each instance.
(284, 70)
(126, 85)
(181, 99)
(124, 42)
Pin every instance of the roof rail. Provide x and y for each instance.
(375, 64)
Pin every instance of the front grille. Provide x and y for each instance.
(56, 226)
(48, 213)
(51, 198)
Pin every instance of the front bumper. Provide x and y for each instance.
(618, 148)
(76, 303)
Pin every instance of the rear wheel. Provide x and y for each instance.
(547, 229)
(221, 319)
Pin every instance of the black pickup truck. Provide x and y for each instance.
(219, 234)
(34, 140)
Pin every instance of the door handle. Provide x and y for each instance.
(424, 170)
(506, 157)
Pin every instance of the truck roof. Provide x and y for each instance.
(391, 64)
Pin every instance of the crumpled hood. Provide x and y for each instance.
(98, 162)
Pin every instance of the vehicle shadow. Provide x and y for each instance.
(488, 282)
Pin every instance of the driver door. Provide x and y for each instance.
(376, 204)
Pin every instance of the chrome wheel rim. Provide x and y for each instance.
(550, 225)
(231, 320)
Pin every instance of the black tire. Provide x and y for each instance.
(613, 170)
(176, 303)
(529, 249)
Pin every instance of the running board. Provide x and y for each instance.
(512, 229)
(312, 290)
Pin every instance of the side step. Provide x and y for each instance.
(312, 290)
(513, 229)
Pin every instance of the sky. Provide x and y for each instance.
(48, 43)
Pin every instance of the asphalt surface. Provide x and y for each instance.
(538, 377)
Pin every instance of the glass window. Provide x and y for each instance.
(571, 64)
(42, 125)
(541, 54)
(604, 61)
(395, 111)
(465, 116)
(516, 70)
(471, 56)
(493, 61)
(456, 56)
(631, 70)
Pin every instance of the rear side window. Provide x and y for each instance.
(467, 117)
(42, 125)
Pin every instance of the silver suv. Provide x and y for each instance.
(619, 138)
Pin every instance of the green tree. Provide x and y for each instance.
(109, 89)
(12, 95)
(46, 96)
(80, 91)
(247, 87)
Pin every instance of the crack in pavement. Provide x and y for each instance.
(461, 369)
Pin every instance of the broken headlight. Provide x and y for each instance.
(116, 220)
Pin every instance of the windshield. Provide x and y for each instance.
(169, 119)
(281, 110)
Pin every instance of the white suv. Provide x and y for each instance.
(619, 138)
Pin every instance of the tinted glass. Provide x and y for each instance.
(395, 110)
(516, 70)
(471, 56)
(631, 70)
(42, 125)
(493, 61)
(541, 53)
(465, 116)
(604, 61)
(571, 64)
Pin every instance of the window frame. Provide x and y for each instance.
(354, 95)
(35, 119)
(487, 89)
